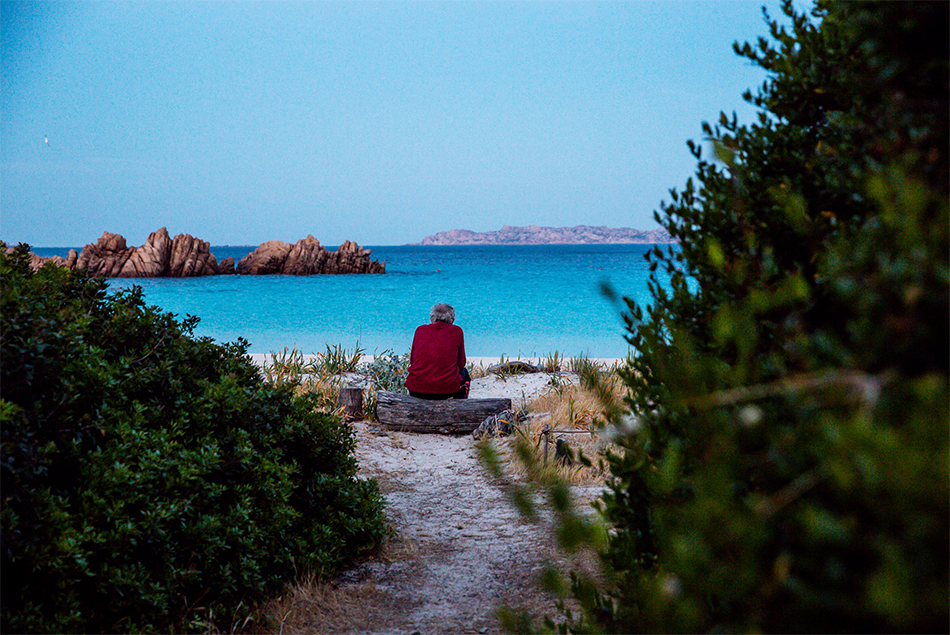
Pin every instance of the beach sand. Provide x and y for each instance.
(460, 549)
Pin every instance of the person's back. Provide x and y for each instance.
(437, 360)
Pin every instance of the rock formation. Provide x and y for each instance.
(159, 257)
(535, 235)
(187, 256)
(106, 257)
(151, 259)
(191, 257)
(268, 258)
(308, 257)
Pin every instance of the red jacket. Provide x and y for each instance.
(438, 353)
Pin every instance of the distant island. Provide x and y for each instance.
(536, 235)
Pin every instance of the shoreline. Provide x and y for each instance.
(260, 359)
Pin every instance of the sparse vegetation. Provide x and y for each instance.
(552, 362)
(323, 375)
(569, 418)
(387, 372)
(476, 371)
(335, 361)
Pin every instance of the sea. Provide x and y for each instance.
(527, 301)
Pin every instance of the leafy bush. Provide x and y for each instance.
(151, 479)
(787, 465)
(387, 371)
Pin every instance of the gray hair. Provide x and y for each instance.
(442, 313)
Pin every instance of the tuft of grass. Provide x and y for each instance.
(583, 365)
(316, 377)
(327, 392)
(336, 360)
(552, 362)
(285, 367)
(571, 407)
(476, 371)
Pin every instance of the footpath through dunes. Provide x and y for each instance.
(460, 549)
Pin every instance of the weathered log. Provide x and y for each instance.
(450, 416)
(351, 400)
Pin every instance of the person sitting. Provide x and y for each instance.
(437, 359)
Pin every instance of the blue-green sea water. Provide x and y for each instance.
(527, 301)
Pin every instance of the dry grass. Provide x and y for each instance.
(315, 606)
(311, 606)
(476, 370)
(570, 413)
(326, 390)
(570, 407)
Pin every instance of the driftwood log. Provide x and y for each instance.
(450, 416)
(514, 366)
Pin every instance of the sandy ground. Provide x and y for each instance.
(460, 551)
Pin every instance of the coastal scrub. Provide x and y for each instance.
(152, 481)
(783, 465)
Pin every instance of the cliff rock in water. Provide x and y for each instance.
(535, 235)
(187, 256)
(308, 257)
(160, 257)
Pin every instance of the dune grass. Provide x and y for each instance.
(576, 407)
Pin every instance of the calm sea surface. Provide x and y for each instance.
(509, 300)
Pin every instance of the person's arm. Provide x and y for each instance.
(461, 359)
(413, 348)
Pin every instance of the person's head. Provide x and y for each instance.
(442, 313)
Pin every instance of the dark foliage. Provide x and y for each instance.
(150, 479)
(790, 469)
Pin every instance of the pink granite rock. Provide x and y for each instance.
(191, 257)
(308, 257)
(187, 256)
(268, 258)
(151, 259)
(106, 257)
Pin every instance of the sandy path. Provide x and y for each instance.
(466, 551)
(460, 551)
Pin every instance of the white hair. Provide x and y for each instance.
(442, 313)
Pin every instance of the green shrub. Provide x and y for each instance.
(151, 479)
(387, 371)
(784, 466)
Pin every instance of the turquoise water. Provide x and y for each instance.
(509, 300)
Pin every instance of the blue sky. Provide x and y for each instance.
(382, 123)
